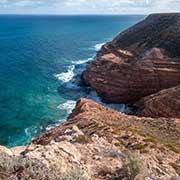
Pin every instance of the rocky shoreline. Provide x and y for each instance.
(140, 67)
(139, 62)
(104, 144)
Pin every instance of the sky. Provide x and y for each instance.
(88, 6)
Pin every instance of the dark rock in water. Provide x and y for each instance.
(74, 89)
(140, 61)
(79, 81)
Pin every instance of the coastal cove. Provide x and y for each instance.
(139, 68)
(41, 61)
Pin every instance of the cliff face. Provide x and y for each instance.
(142, 64)
(165, 103)
(101, 144)
(139, 61)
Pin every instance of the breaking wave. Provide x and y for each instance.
(98, 46)
(68, 106)
(66, 76)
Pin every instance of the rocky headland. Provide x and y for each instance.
(139, 62)
(98, 143)
(140, 67)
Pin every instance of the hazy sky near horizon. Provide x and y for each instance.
(88, 6)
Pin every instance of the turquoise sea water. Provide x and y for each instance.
(41, 59)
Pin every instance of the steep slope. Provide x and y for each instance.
(139, 61)
(101, 144)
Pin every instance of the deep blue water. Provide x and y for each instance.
(41, 59)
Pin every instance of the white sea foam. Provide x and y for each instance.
(118, 107)
(29, 132)
(68, 106)
(82, 61)
(51, 126)
(98, 46)
(66, 76)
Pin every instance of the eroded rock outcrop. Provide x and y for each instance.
(165, 103)
(101, 144)
(139, 61)
(98, 143)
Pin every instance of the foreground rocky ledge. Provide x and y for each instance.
(140, 61)
(99, 143)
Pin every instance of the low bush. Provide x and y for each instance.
(173, 148)
(82, 139)
(24, 168)
(75, 174)
(132, 165)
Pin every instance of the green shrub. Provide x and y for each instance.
(151, 139)
(132, 165)
(24, 168)
(75, 174)
(173, 148)
(82, 139)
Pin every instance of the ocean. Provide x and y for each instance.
(41, 61)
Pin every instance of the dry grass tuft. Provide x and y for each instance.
(132, 165)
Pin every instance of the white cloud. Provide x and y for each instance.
(88, 6)
(25, 3)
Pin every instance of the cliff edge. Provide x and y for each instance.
(140, 66)
(101, 144)
(140, 61)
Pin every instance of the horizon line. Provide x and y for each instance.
(21, 14)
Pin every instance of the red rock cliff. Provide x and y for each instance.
(139, 61)
(165, 103)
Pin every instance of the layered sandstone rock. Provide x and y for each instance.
(139, 61)
(97, 142)
(165, 103)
